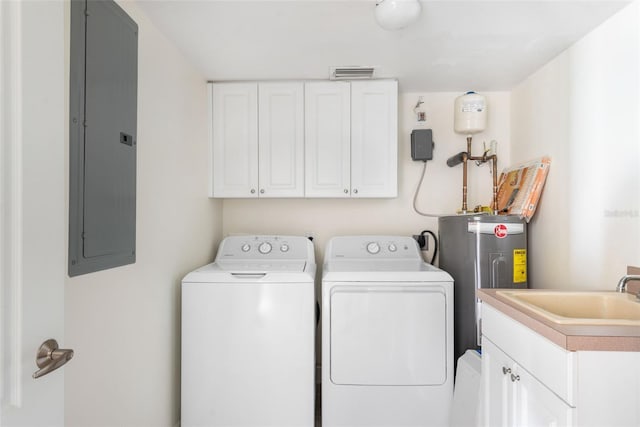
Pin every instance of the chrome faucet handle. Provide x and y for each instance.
(622, 284)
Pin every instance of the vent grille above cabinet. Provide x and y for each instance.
(350, 73)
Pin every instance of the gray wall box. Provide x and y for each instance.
(102, 132)
(422, 144)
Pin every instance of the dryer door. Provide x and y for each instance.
(391, 334)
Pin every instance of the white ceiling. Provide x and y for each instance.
(454, 46)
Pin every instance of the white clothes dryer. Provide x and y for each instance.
(248, 335)
(387, 335)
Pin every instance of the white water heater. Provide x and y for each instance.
(470, 113)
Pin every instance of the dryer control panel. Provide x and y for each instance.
(373, 247)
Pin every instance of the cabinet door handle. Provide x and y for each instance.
(355, 191)
(262, 191)
(506, 370)
(346, 191)
(515, 378)
(253, 191)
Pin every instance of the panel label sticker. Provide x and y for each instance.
(519, 265)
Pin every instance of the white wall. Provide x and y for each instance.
(582, 108)
(124, 323)
(441, 192)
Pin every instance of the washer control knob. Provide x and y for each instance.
(373, 248)
(264, 248)
(392, 247)
(284, 248)
(246, 247)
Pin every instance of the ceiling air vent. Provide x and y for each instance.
(351, 73)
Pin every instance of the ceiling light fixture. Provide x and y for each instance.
(396, 14)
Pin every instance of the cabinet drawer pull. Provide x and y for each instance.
(515, 378)
(506, 370)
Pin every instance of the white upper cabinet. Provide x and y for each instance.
(327, 139)
(351, 139)
(234, 133)
(257, 139)
(374, 138)
(313, 139)
(281, 139)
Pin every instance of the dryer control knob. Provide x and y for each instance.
(284, 248)
(373, 248)
(265, 248)
(245, 248)
(392, 247)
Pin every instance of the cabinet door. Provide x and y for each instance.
(281, 139)
(327, 139)
(514, 397)
(496, 386)
(234, 135)
(374, 138)
(536, 405)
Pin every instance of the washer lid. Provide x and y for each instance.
(261, 266)
(228, 271)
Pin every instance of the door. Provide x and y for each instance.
(32, 218)
(388, 334)
(281, 139)
(536, 405)
(327, 139)
(514, 397)
(496, 385)
(374, 138)
(235, 139)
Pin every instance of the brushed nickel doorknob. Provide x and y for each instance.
(50, 357)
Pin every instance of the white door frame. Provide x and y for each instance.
(10, 204)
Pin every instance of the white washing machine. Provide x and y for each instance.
(248, 334)
(387, 335)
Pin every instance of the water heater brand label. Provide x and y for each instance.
(519, 265)
(500, 231)
(490, 228)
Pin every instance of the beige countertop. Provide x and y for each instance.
(569, 337)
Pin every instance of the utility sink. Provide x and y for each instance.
(579, 308)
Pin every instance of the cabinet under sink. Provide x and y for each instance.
(530, 380)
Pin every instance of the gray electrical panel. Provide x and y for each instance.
(480, 251)
(103, 118)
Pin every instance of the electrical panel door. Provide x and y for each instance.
(103, 114)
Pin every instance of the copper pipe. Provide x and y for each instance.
(466, 156)
(494, 165)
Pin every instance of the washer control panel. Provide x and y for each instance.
(265, 247)
(373, 247)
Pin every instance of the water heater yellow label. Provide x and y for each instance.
(519, 265)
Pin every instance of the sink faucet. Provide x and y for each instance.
(622, 284)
